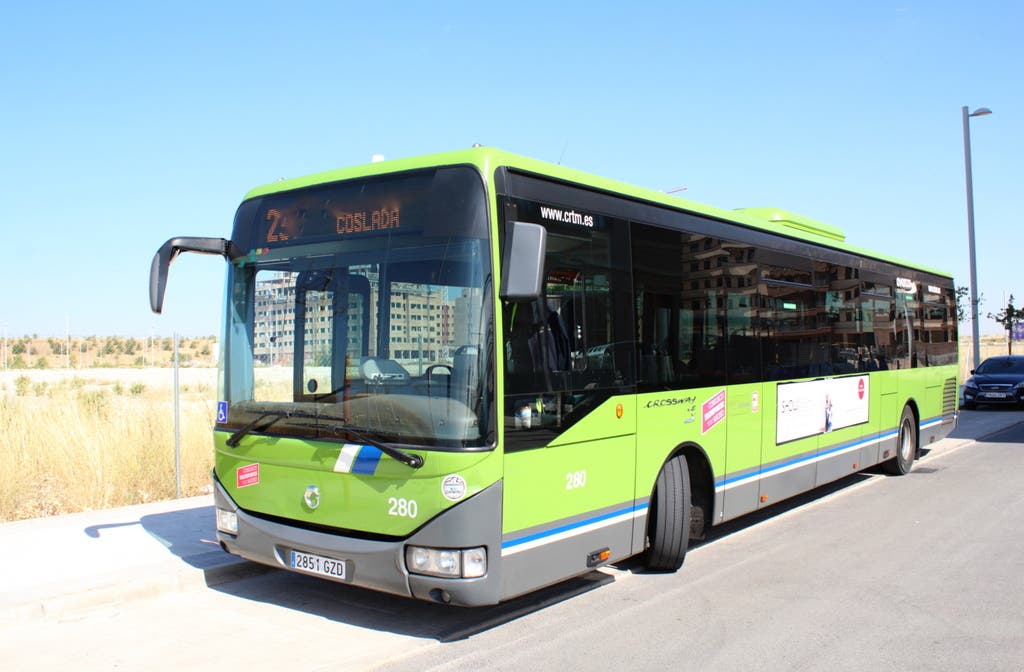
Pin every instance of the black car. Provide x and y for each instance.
(998, 380)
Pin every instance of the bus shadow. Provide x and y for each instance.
(635, 565)
(405, 616)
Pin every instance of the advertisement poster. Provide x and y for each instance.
(820, 406)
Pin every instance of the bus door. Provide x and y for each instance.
(569, 425)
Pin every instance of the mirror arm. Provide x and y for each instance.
(172, 248)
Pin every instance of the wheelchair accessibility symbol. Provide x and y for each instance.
(222, 412)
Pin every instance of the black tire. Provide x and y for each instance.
(968, 406)
(906, 445)
(668, 520)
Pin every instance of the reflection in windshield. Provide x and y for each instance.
(380, 332)
(368, 344)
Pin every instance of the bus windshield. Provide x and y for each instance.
(363, 309)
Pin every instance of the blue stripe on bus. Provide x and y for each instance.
(366, 460)
(815, 456)
(572, 526)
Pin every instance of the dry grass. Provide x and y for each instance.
(75, 441)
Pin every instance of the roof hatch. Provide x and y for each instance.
(791, 220)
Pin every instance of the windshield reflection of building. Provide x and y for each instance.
(426, 323)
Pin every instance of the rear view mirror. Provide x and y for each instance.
(522, 264)
(169, 250)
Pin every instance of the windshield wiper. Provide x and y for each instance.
(235, 438)
(274, 416)
(414, 461)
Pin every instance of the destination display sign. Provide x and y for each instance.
(419, 204)
(281, 225)
(375, 206)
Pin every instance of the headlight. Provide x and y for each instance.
(971, 384)
(453, 563)
(227, 521)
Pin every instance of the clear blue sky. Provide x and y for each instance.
(124, 124)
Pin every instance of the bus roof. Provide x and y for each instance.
(487, 159)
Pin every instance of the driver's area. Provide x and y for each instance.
(394, 348)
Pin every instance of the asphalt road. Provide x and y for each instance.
(920, 572)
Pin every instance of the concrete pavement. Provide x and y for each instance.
(52, 567)
(55, 567)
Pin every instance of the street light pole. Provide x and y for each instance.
(980, 112)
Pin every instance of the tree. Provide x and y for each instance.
(1008, 317)
(963, 303)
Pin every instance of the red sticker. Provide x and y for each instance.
(860, 388)
(247, 475)
(712, 412)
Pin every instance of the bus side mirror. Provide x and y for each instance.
(522, 262)
(169, 250)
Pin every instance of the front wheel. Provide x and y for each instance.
(668, 519)
(906, 445)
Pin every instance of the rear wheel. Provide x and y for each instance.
(668, 520)
(906, 445)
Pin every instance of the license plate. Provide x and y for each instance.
(996, 395)
(317, 564)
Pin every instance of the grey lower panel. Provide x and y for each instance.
(870, 454)
(555, 561)
(887, 447)
(777, 487)
(380, 565)
(841, 464)
(937, 432)
(739, 499)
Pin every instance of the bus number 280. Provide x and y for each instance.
(575, 479)
(404, 508)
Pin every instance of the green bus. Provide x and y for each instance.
(466, 376)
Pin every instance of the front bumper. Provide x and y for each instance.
(380, 565)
